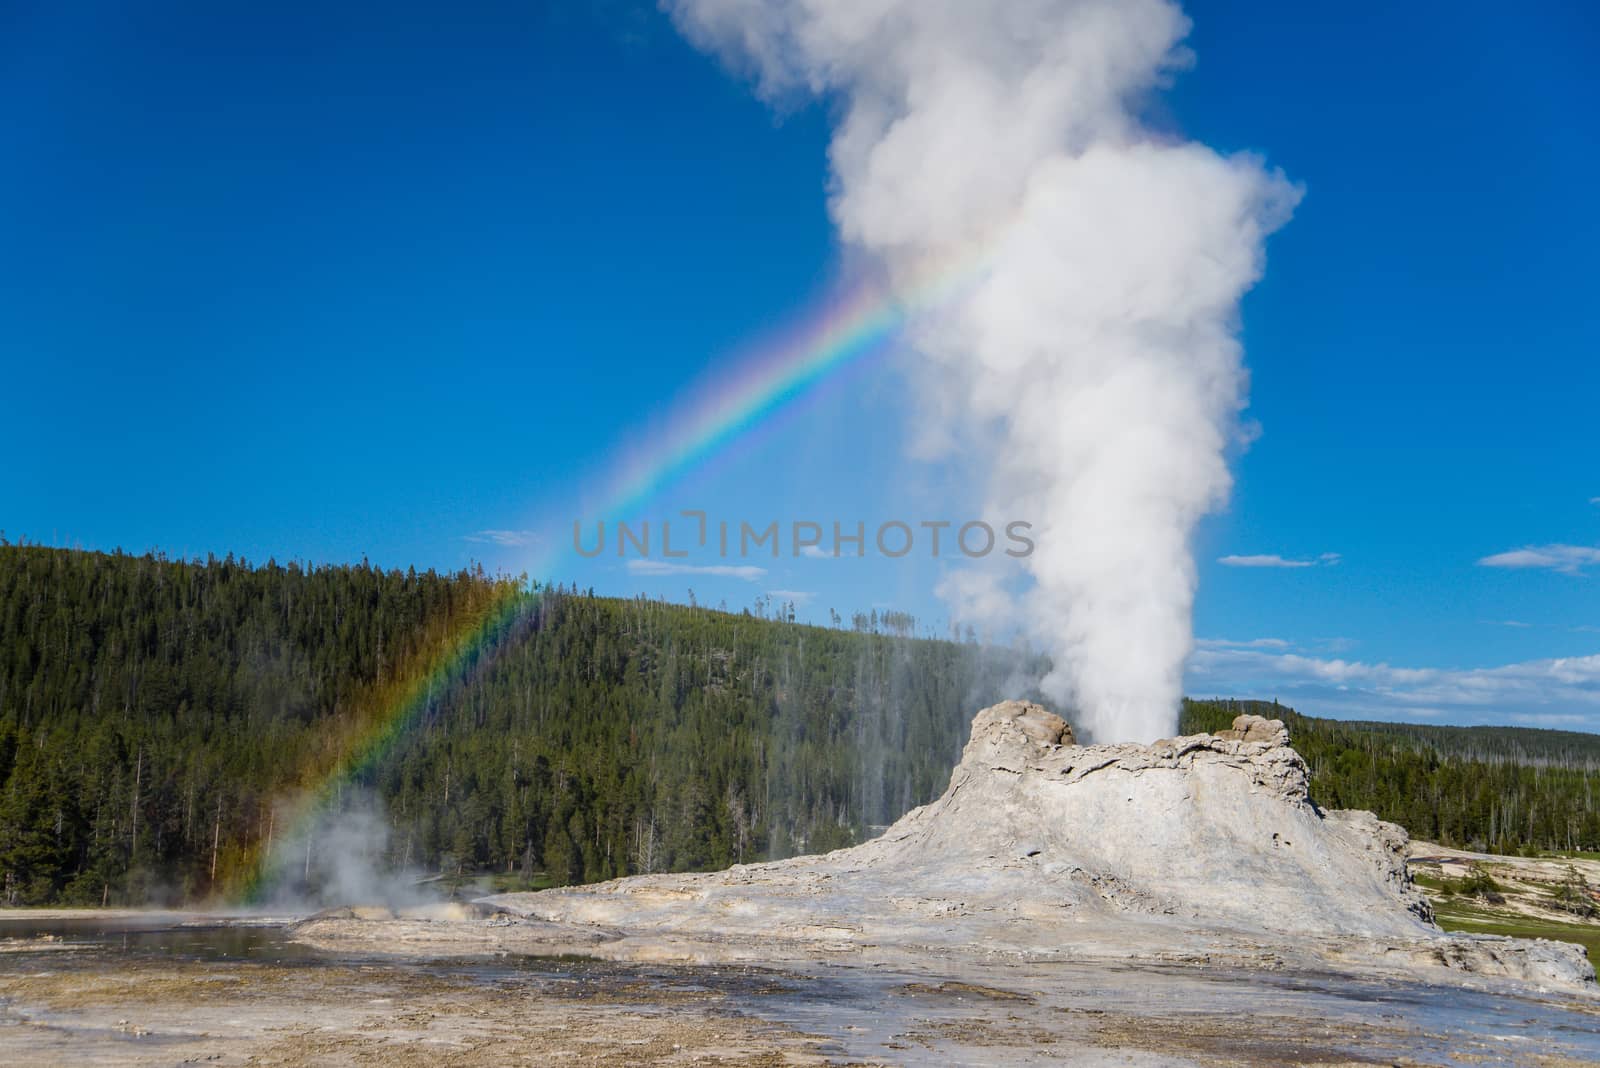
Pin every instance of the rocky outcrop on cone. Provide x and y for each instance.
(1256, 729)
(1013, 731)
(1199, 848)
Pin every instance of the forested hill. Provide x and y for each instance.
(155, 715)
(153, 712)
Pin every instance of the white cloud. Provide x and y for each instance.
(1567, 559)
(799, 597)
(1274, 560)
(1253, 643)
(816, 552)
(510, 539)
(1558, 686)
(1512, 623)
(744, 572)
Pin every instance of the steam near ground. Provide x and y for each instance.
(1094, 360)
(909, 723)
(340, 856)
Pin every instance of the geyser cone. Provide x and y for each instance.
(1207, 846)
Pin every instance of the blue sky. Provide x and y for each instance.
(319, 285)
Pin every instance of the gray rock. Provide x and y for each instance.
(1257, 729)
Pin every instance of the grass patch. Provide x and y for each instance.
(511, 882)
(1453, 916)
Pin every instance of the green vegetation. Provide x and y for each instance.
(1456, 916)
(155, 714)
(1478, 883)
(1433, 884)
(1574, 895)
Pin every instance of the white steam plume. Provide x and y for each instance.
(1097, 361)
(341, 856)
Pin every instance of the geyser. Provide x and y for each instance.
(1202, 848)
(1096, 362)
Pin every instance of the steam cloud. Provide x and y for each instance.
(1097, 359)
(342, 856)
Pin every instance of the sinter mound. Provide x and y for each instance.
(1205, 848)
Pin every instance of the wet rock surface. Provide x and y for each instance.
(108, 1005)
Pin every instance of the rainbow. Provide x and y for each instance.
(846, 328)
(848, 325)
(454, 648)
(843, 329)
